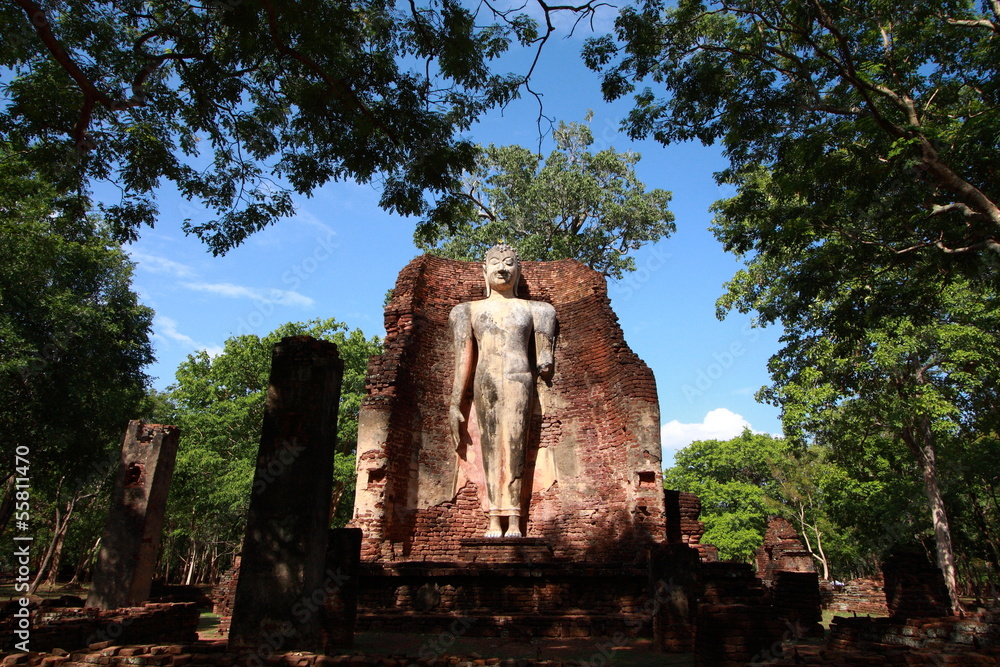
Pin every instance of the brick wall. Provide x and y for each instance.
(782, 551)
(914, 587)
(224, 596)
(859, 596)
(683, 526)
(74, 628)
(515, 600)
(592, 481)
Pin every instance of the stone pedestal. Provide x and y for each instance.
(284, 580)
(506, 599)
(735, 623)
(505, 550)
(132, 533)
(788, 571)
(675, 583)
(796, 599)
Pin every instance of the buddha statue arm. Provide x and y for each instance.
(544, 316)
(460, 322)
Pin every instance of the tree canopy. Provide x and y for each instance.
(733, 480)
(859, 135)
(239, 103)
(218, 403)
(573, 204)
(862, 140)
(74, 339)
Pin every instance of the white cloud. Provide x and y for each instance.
(157, 264)
(308, 218)
(213, 350)
(165, 328)
(719, 424)
(277, 296)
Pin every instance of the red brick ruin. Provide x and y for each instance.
(593, 484)
(862, 596)
(131, 540)
(683, 526)
(788, 572)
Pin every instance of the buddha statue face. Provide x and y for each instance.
(501, 269)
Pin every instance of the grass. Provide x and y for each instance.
(10, 592)
(208, 626)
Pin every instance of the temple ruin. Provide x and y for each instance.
(592, 487)
(131, 540)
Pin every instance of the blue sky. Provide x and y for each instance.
(340, 253)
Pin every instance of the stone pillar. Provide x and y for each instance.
(343, 568)
(134, 526)
(283, 567)
(914, 587)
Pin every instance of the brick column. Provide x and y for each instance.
(284, 552)
(132, 533)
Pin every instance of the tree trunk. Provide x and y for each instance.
(85, 559)
(191, 563)
(213, 570)
(822, 554)
(804, 531)
(51, 560)
(926, 457)
(53, 575)
(7, 506)
(338, 492)
(983, 525)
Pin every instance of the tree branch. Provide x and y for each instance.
(335, 84)
(981, 23)
(849, 72)
(485, 211)
(968, 212)
(944, 175)
(985, 244)
(91, 94)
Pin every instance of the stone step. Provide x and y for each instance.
(513, 625)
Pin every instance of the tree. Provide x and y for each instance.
(239, 103)
(576, 204)
(873, 125)
(862, 143)
(975, 509)
(218, 403)
(733, 480)
(801, 496)
(928, 381)
(872, 494)
(74, 339)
